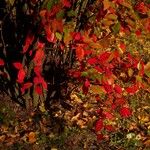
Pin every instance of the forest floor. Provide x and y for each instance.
(70, 129)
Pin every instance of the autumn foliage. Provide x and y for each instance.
(86, 42)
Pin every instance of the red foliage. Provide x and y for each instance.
(21, 75)
(18, 65)
(66, 3)
(38, 89)
(125, 112)
(118, 89)
(79, 52)
(99, 125)
(132, 89)
(103, 58)
(2, 62)
(25, 86)
(141, 7)
(109, 128)
(28, 42)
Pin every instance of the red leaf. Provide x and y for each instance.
(76, 36)
(86, 86)
(108, 88)
(118, 89)
(40, 45)
(99, 125)
(119, 101)
(132, 89)
(87, 83)
(100, 137)
(104, 57)
(109, 128)
(39, 56)
(92, 61)
(125, 112)
(25, 48)
(141, 7)
(99, 69)
(21, 75)
(75, 74)
(123, 47)
(66, 3)
(18, 65)
(57, 25)
(28, 42)
(26, 86)
(94, 38)
(36, 80)
(108, 115)
(80, 53)
(40, 80)
(87, 52)
(37, 70)
(101, 14)
(138, 32)
(119, 1)
(49, 34)
(38, 89)
(2, 62)
(147, 25)
(141, 68)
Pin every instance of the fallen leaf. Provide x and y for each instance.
(32, 137)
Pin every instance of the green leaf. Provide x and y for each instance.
(58, 36)
(50, 4)
(116, 28)
(71, 13)
(147, 73)
(84, 74)
(147, 69)
(60, 14)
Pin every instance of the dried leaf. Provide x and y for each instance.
(32, 137)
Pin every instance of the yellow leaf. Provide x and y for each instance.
(107, 22)
(75, 98)
(130, 72)
(81, 123)
(111, 16)
(106, 4)
(96, 89)
(42, 108)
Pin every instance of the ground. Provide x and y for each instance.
(71, 129)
